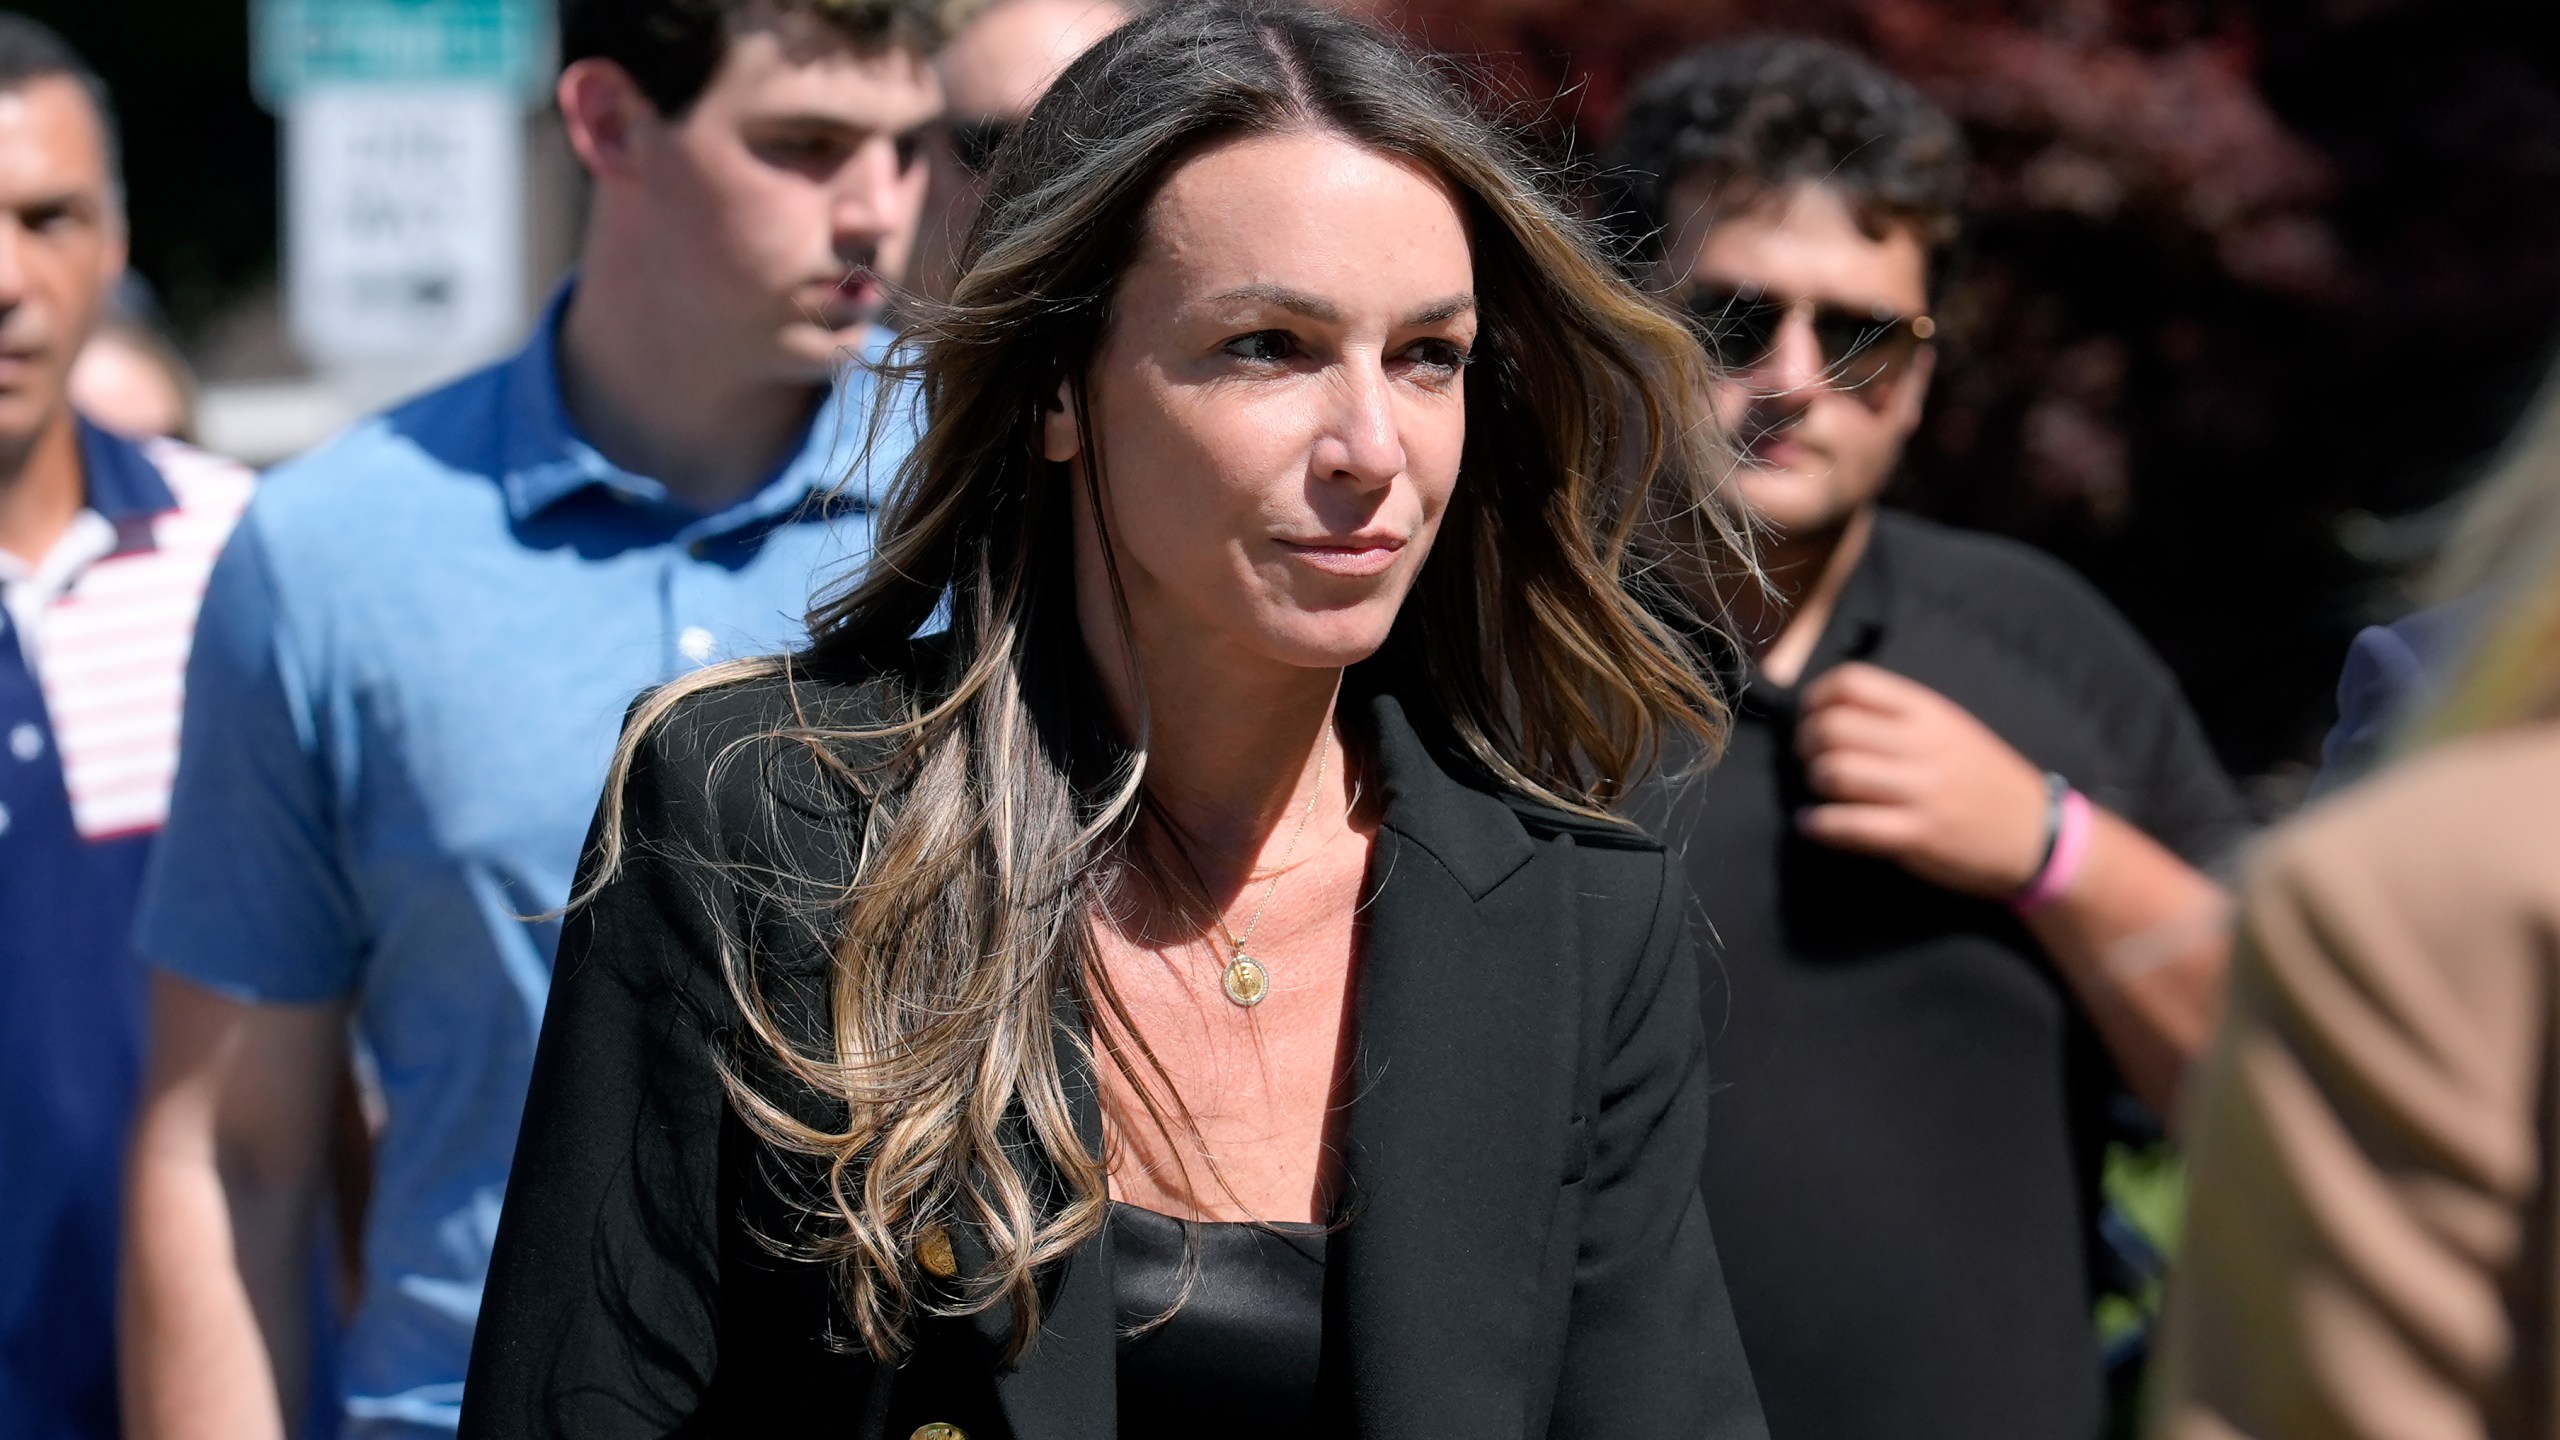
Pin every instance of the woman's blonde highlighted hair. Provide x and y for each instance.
(2504, 557)
(1535, 644)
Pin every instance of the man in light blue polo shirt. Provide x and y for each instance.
(414, 657)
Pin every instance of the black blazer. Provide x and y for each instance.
(1525, 1252)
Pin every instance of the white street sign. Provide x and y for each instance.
(404, 224)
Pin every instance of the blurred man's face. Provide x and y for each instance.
(787, 198)
(121, 384)
(61, 247)
(993, 72)
(1819, 432)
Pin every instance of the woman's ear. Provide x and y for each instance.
(1059, 439)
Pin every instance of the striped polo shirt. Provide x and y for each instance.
(93, 648)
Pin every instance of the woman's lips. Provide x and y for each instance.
(1356, 558)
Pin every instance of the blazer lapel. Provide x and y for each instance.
(1467, 1028)
(1065, 1387)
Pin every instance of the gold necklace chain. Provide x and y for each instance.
(1246, 980)
(1351, 807)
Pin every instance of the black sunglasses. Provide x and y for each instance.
(1859, 346)
(974, 142)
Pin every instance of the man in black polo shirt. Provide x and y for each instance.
(1947, 870)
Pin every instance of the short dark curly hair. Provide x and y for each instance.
(672, 48)
(1777, 111)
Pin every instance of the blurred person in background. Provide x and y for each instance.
(416, 654)
(995, 66)
(2393, 672)
(2374, 1206)
(104, 548)
(1948, 866)
(130, 377)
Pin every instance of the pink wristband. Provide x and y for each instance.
(2070, 847)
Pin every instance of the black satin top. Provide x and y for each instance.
(1238, 1358)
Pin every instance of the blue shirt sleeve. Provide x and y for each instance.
(248, 894)
(2374, 693)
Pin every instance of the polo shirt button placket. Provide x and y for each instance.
(26, 738)
(694, 642)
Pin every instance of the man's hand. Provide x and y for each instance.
(1907, 774)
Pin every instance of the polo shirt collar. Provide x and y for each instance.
(121, 483)
(543, 459)
(1856, 627)
(1866, 605)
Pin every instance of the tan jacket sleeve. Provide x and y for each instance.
(2368, 1242)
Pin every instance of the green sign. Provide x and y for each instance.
(297, 45)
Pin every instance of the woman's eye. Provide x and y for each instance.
(1446, 356)
(1263, 347)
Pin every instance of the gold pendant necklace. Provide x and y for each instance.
(1246, 981)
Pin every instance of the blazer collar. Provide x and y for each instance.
(1473, 835)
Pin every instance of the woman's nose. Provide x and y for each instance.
(1361, 444)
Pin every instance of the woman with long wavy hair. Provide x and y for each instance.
(1201, 985)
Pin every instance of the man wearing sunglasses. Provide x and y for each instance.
(1948, 869)
(995, 69)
